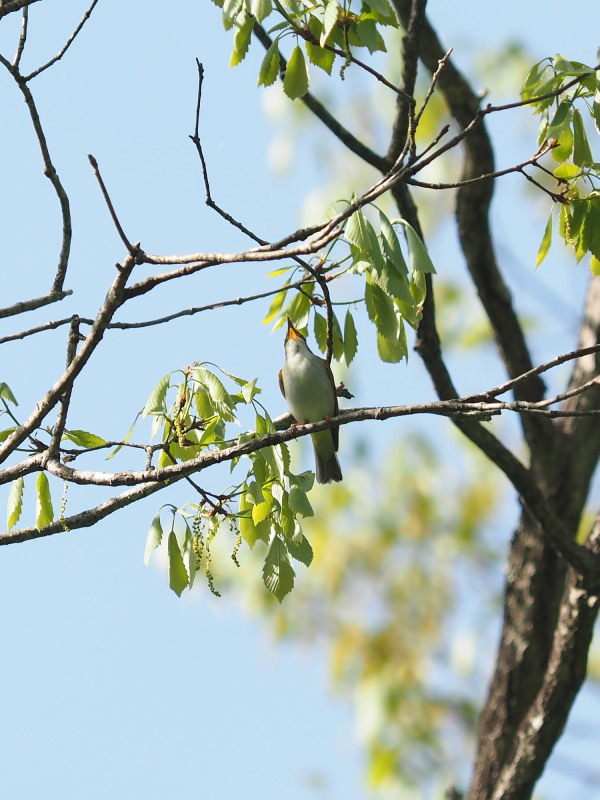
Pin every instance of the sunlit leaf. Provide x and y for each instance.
(295, 82)
(330, 17)
(6, 393)
(278, 573)
(350, 338)
(154, 537)
(84, 439)
(44, 513)
(15, 502)
(269, 68)
(156, 402)
(546, 242)
(178, 576)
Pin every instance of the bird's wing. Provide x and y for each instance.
(281, 386)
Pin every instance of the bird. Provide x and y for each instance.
(307, 383)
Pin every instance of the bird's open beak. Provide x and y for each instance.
(292, 333)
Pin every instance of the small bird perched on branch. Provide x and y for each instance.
(307, 383)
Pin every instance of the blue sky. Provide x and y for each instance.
(112, 686)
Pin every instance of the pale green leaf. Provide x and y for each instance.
(581, 148)
(278, 574)
(564, 147)
(178, 576)
(295, 81)
(6, 393)
(595, 265)
(419, 257)
(350, 338)
(84, 439)
(269, 68)
(15, 502)
(330, 18)
(154, 537)
(301, 550)
(320, 57)
(567, 171)
(546, 242)
(261, 9)
(44, 513)
(156, 402)
(298, 500)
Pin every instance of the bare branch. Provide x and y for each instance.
(133, 250)
(36, 302)
(68, 44)
(22, 37)
(10, 6)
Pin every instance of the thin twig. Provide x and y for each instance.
(133, 250)
(68, 44)
(22, 38)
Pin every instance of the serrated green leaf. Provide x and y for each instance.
(419, 257)
(261, 9)
(298, 500)
(250, 532)
(380, 309)
(6, 393)
(384, 11)
(156, 402)
(533, 79)
(301, 550)
(357, 231)
(241, 41)
(219, 396)
(295, 81)
(178, 576)
(84, 439)
(298, 309)
(561, 119)
(278, 573)
(581, 148)
(44, 513)
(392, 348)
(154, 537)
(269, 68)
(262, 511)
(595, 265)
(368, 35)
(350, 338)
(320, 57)
(391, 244)
(330, 17)
(15, 502)
(564, 147)
(546, 242)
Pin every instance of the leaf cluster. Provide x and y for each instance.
(562, 127)
(324, 31)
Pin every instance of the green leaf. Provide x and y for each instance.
(419, 257)
(380, 309)
(6, 394)
(595, 265)
(219, 396)
(267, 75)
(241, 41)
(178, 576)
(156, 402)
(261, 9)
(278, 574)
(534, 78)
(6, 433)
(295, 82)
(546, 242)
(369, 36)
(567, 171)
(298, 500)
(581, 148)
(15, 502)
(320, 57)
(565, 145)
(84, 439)
(154, 537)
(301, 550)
(350, 338)
(391, 245)
(384, 11)
(392, 347)
(330, 18)
(44, 513)
(561, 120)
(275, 307)
(249, 531)
(359, 231)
